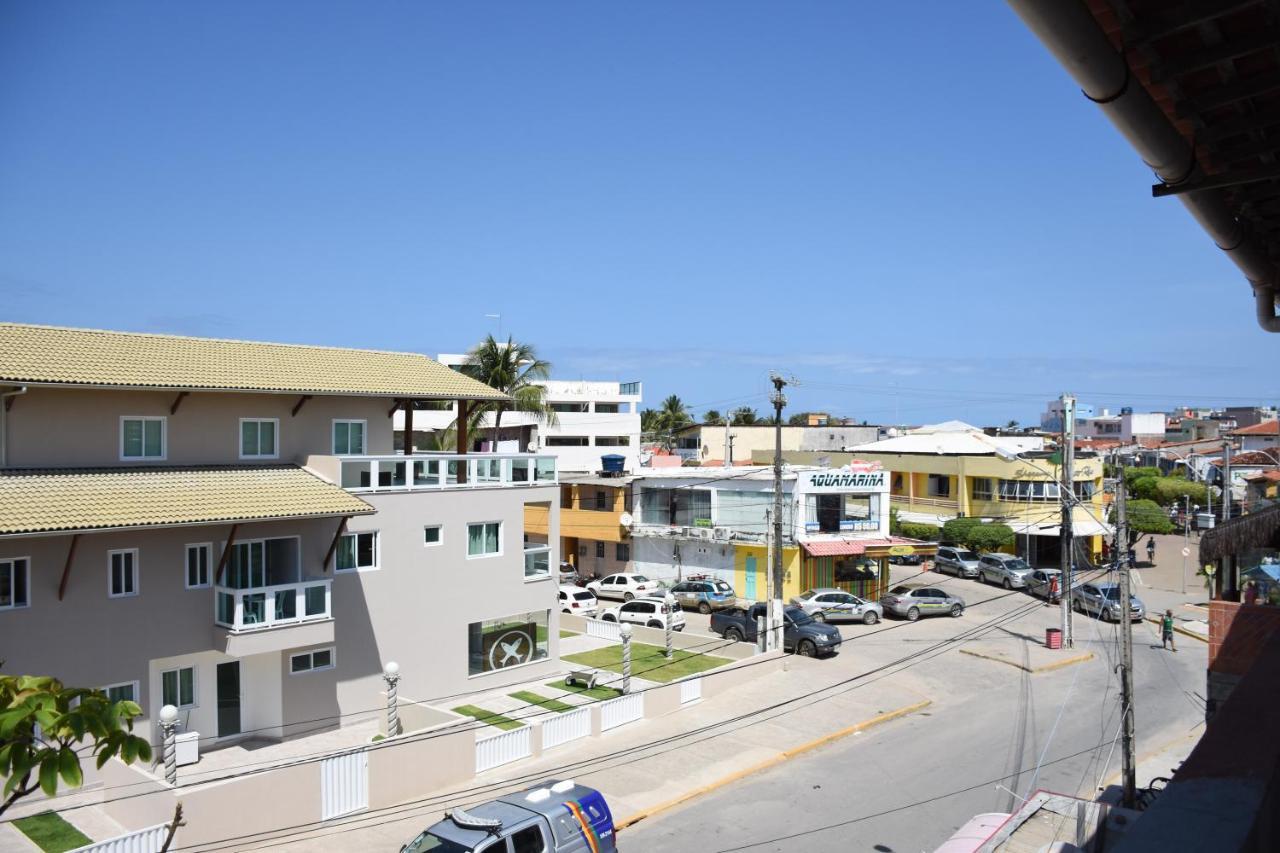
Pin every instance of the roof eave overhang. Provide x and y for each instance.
(69, 531)
(408, 395)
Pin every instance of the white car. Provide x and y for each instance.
(647, 611)
(578, 601)
(624, 586)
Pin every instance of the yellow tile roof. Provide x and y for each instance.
(62, 356)
(67, 500)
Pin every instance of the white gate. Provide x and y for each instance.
(690, 690)
(603, 630)
(565, 727)
(624, 709)
(344, 784)
(502, 748)
(146, 840)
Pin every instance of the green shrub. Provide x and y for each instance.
(927, 532)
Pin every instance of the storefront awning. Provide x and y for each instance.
(834, 547)
(1089, 527)
(857, 547)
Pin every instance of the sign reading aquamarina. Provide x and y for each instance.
(871, 481)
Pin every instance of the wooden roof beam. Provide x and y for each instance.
(302, 401)
(66, 565)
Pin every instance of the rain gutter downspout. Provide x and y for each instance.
(1070, 32)
(4, 423)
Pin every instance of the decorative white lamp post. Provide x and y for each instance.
(625, 631)
(169, 725)
(391, 674)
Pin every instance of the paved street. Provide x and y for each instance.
(989, 721)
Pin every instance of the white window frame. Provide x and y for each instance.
(26, 561)
(195, 686)
(164, 438)
(364, 435)
(377, 552)
(240, 438)
(333, 661)
(439, 535)
(136, 685)
(137, 573)
(186, 565)
(484, 556)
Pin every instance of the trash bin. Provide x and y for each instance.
(187, 748)
(1053, 638)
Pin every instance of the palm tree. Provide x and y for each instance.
(712, 416)
(663, 423)
(515, 370)
(744, 416)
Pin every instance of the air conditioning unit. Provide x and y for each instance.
(700, 532)
(721, 534)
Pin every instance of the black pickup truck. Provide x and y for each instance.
(800, 633)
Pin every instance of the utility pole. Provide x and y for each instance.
(775, 600)
(1126, 648)
(1068, 496)
(728, 444)
(1226, 481)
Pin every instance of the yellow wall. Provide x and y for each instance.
(790, 570)
(594, 524)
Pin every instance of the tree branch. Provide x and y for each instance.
(19, 792)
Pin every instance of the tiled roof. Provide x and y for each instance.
(52, 355)
(837, 547)
(1264, 428)
(70, 499)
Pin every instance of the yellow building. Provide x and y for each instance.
(592, 536)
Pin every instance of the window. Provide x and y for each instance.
(566, 497)
(198, 557)
(982, 488)
(569, 407)
(567, 441)
(599, 550)
(503, 643)
(126, 691)
(431, 534)
(122, 573)
(358, 551)
(629, 389)
(142, 438)
(624, 552)
(602, 500)
(1084, 490)
(607, 408)
(311, 661)
(678, 507)
(688, 443)
(484, 539)
(348, 438)
(178, 687)
(613, 441)
(858, 569)
(939, 486)
(15, 583)
(528, 840)
(258, 438)
(1028, 490)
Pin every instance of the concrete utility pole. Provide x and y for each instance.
(728, 444)
(1068, 496)
(1226, 481)
(1126, 649)
(775, 600)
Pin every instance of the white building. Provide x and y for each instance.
(594, 419)
(1126, 426)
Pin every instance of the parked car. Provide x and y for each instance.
(912, 602)
(907, 559)
(957, 561)
(1102, 600)
(1040, 581)
(1006, 570)
(568, 574)
(833, 605)
(578, 601)
(800, 633)
(552, 817)
(704, 594)
(647, 611)
(623, 585)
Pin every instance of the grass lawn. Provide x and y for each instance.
(488, 717)
(542, 701)
(51, 832)
(565, 634)
(597, 693)
(648, 661)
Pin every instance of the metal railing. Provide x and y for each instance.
(620, 711)
(502, 748)
(433, 471)
(537, 561)
(566, 727)
(272, 606)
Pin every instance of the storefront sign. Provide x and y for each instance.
(845, 481)
(901, 550)
(509, 645)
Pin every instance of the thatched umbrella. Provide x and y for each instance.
(1229, 539)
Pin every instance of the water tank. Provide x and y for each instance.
(612, 463)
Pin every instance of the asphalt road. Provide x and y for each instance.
(907, 785)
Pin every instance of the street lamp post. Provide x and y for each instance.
(391, 674)
(169, 725)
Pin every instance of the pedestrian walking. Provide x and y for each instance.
(1251, 592)
(1052, 598)
(1151, 550)
(1166, 630)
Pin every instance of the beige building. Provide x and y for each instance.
(223, 526)
(705, 443)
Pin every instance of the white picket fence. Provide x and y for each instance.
(146, 840)
(565, 727)
(344, 784)
(624, 709)
(604, 630)
(690, 690)
(502, 748)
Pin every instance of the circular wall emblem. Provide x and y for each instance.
(513, 647)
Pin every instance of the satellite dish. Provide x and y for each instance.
(625, 519)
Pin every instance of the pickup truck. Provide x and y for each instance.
(553, 817)
(800, 633)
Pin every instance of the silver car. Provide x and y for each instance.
(832, 605)
(912, 602)
(1045, 583)
(1103, 601)
(1004, 570)
(957, 561)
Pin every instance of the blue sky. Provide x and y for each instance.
(907, 207)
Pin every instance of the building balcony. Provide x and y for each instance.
(438, 471)
(925, 502)
(273, 618)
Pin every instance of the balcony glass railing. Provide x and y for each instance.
(272, 606)
(440, 471)
(537, 561)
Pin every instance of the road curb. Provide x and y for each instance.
(1155, 620)
(1049, 667)
(785, 755)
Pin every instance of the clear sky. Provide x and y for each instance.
(906, 206)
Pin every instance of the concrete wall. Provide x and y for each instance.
(57, 427)
(656, 558)
(750, 439)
